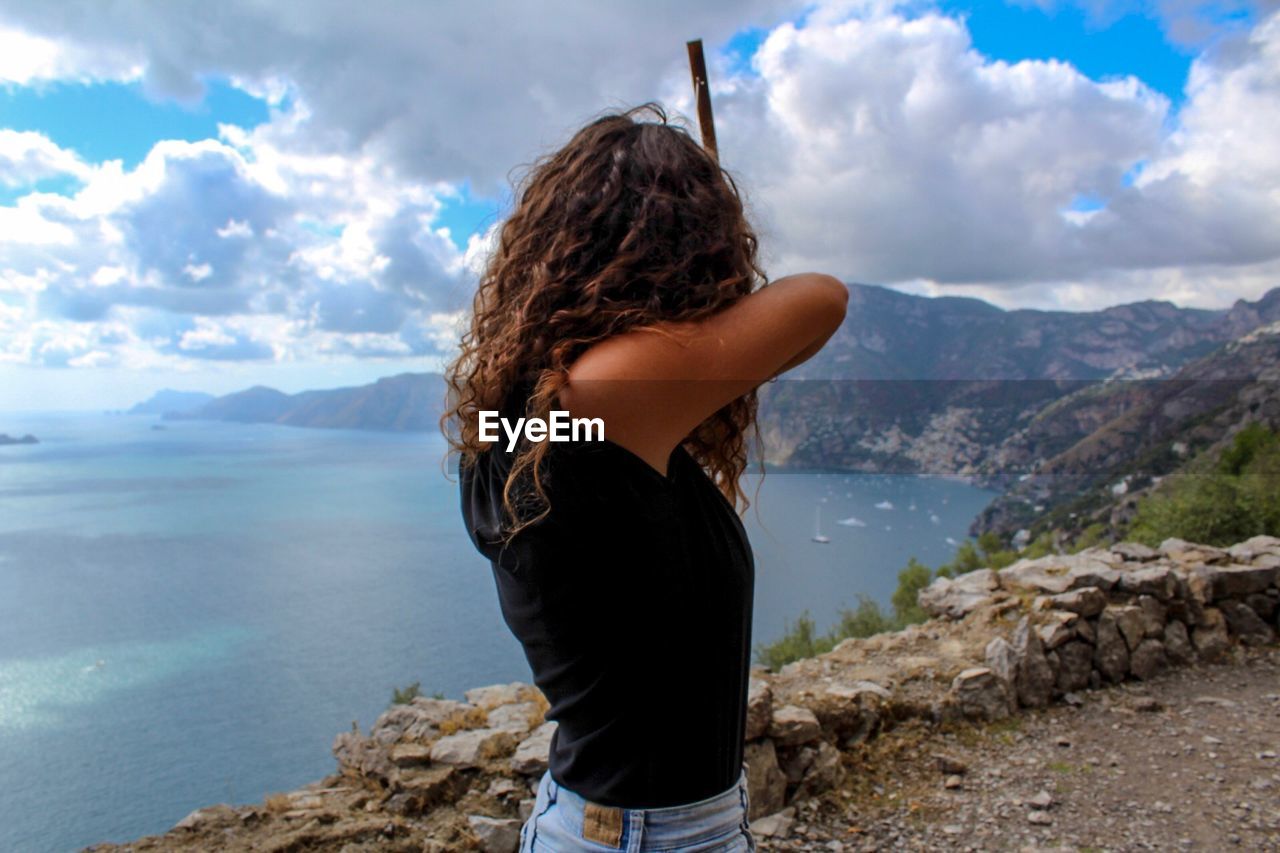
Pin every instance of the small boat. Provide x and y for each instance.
(817, 528)
(851, 521)
(933, 517)
(885, 504)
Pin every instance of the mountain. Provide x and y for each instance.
(1142, 431)
(943, 385)
(405, 402)
(1050, 406)
(5, 438)
(168, 400)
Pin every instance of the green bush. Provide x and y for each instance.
(1217, 503)
(915, 577)
(405, 695)
(865, 620)
(799, 640)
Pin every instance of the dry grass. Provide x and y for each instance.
(278, 803)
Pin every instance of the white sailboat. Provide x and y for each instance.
(817, 527)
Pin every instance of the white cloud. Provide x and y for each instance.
(872, 143)
(27, 157)
(27, 58)
(250, 249)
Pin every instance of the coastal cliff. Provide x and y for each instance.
(442, 774)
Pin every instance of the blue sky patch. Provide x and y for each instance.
(1132, 42)
(1086, 203)
(466, 214)
(741, 47)
(119, 121)
(60, 184)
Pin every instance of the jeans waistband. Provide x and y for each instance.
(718, 811)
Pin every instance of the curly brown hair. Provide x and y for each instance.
(628, 225)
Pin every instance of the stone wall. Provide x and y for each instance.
(440, 774)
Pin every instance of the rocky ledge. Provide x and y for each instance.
(439, 774)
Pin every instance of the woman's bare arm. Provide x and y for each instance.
(652, 386)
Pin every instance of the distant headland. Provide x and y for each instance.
(5, 438)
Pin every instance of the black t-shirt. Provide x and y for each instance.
(632, 601)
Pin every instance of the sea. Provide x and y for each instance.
(190, 611)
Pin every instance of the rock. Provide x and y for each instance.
(1086, 601)
(1235, 580)
(517, 718)
(1154, 616)
(1042, 800)
(1157, 581)
(1210, 638)
(1039, 818)
(1254, 546)
(1129, 621)
(766, 783)
(955, 598)
(1134, 551)
(816, 768)
(1177, 643)
(410, 754)
(1264, 605)
(202, 819)
(531, 755)
(422, 719)
(526, 807)
(1086, 629)
(1110, 652)
(759, 708)
(1035, 679)
(791, 725)
(1181, 551)
(1002, 661)
(1245, 624)
(774, 825)
(1057, 629)
(949, 765)
(851, 711)
(363, 757)
(1148, 659)
(980, 694)
(503, 786)
(1075, 661)
(1041, 574)
(421, 789)
(471, 748)
(494, 695)
(496, 835)
(952, 782)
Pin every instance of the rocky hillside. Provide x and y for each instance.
(911, 384)
(1091, 454)
(441, 774)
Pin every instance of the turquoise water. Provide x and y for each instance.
(190, 615)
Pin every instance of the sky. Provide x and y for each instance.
(212, 196)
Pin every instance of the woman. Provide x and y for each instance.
(625, 287)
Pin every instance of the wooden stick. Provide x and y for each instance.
(702, 92)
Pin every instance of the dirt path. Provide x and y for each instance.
(1187, 761)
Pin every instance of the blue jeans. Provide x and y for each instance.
(563, 821)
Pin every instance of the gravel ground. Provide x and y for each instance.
(1186, 761)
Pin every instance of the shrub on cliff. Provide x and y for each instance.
(1217, 501)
